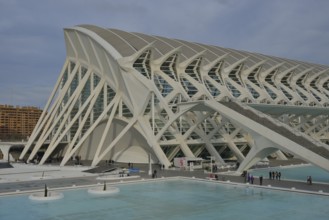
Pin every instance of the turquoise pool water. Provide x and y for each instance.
(179, 199)
(296, 173)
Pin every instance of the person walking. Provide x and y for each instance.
(261, 180)
(309, 180)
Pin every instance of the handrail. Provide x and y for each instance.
(280, 128)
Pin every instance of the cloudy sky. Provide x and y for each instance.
(32, 49)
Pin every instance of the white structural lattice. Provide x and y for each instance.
(124, 96)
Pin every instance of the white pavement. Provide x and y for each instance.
(27, 172)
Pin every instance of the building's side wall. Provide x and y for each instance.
(17, 123)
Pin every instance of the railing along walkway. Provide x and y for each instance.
(280, 128)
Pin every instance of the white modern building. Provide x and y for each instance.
(126, 96)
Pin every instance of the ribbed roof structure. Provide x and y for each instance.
(130, 96)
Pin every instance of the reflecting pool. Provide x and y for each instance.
(171, 199)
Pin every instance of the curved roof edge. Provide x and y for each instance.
(100, 39)
(128, 43)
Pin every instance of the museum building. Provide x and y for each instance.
(132, 97)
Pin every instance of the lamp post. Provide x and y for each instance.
(210, 162)
(150, 166)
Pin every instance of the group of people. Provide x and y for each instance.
(250, 178)
(274, 175)
(214, 168)
(130, 165)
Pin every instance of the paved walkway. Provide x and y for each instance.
(25, 177)
(286, 184)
